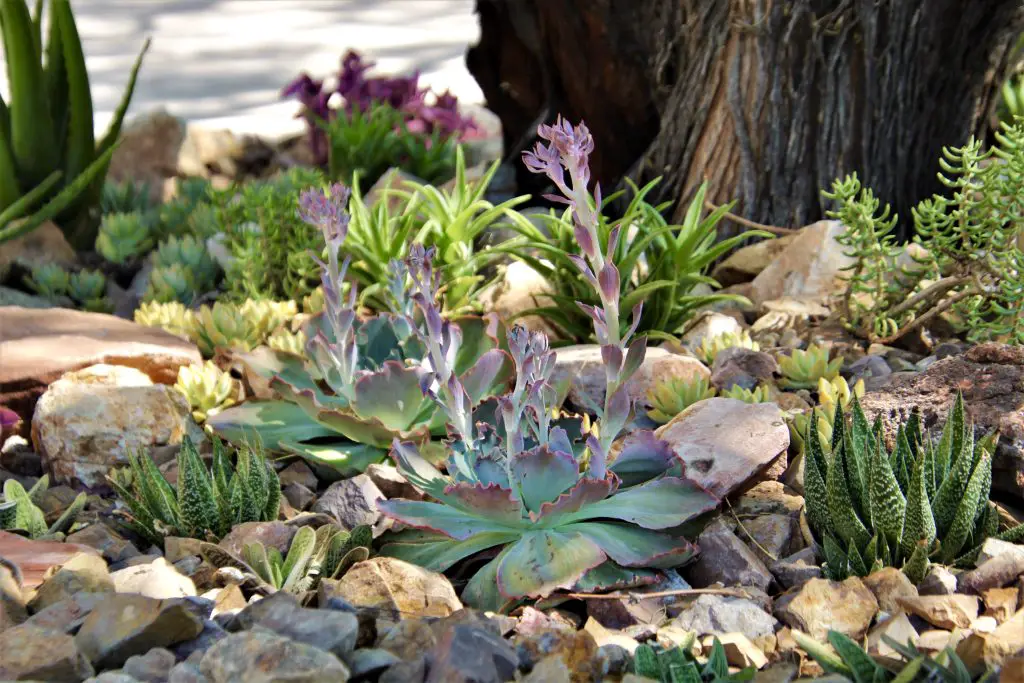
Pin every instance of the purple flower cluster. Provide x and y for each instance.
(425, 113)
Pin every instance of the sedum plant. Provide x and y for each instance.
(19, 512)
(124, 236)
(172, 316)
(172, 283)
(759, 394)
(49, 280)
(191, 253)
(967, 267)
(922, 502)
(51, 166)
(325, 553)
(207, 388)
(203, 503)
(661, 264)
(124, 197)
(678, 665)
(710, 347)
(670, 396)
(358, 385)
(227, 326)
(88, 288)
(803, 369)
(549, 513)
(848, 659)
(289, 342)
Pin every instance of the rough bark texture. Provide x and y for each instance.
(768, 100)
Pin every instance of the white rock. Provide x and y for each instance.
(158, 579)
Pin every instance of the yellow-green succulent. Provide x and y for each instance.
(289, 342)
(269, 315)
(172, 316)
(711, 346)
(837, 389)
(314, 302)
(803, 369)
(226, 326)
(673, 395)
(207, 388)
(760, 394)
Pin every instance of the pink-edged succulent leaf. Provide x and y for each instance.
(338, 459)
(480, 334)
(445, 519)
(490, 501)
(632, 547)
(544, 560)
(362, 430)
(489, 376)
(391, 396)
(610, 576)
(657, 504)
(542, 474)
(272, 422)
(585, 492)
(616, 412)
(482, 590)
(417, 469)
(642, 457)
(634, 358)
(437, 552)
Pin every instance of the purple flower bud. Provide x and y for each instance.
(327, 211)
(609, 281)
(584, 269)
(613, 242)
(518, 340)
(584, 238)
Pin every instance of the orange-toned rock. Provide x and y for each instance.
(34, 558)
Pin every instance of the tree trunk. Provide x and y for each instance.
(767, 100)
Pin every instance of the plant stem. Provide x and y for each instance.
(681, 593)
(708, 204)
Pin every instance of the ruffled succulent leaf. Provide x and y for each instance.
(657, 504)
(418, 470)
(480, 334)
(642, 457)
(337, 459)
(437, 552)
(271, 422)
(541, 475)
(585, 492)
(390, 396)
(632, 547)
(488, 376)
(482, 591)
(609, 576)
(545, 560)
(455, 523)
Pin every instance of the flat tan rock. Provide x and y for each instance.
(37, 346)
(944, 611)
(45, 244)
(821, 605)
(391, 584)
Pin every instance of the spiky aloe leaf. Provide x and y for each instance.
(26, 515)
(255, 555)
(815, 473)
(838, 428)
(848, 526)
(887, 502)
(197, 502)
(717, 666)
(918, 523)
(296, 564)
(243, 505)
(916, 568)
(870, 555)
(142, 519)
(901, 461)
(272, 508)
(963, 521)
(931, 480)
(67, 518)
(908, 673)
(856, 563)
(822, 655)
(221, 468)
(951, 492)
(259, 480)
(861, 665)
(684, 673)
(156, 491)
(645, 662)
(836, 562)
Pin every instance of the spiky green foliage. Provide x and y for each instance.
(673, 395)
(678, 665)
(51, 166)
(124, 197)
(367, 144)
(204, 503)
(710, 347)
(124, 236)
(190, 252)
(803, 369)
(272, 246)
(847, 658)
(450, 220)
(19, 512)
(325, 553)
(924, 501)
(188, 212)
(964, 265)
(207, 388)
(661, 264)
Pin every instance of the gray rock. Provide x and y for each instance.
(409, 671)
(271, 534)
(298, 496)
(127, 625)
(939, 581)
(114, 676)
(329, 630)
(391, 482)
(298, 473)
(867, 367)
(33, 653)
(717, 614)
(212, 632)
(369, 661)
(113, 547)
(708, 325)
(796, 569)
(83, 572)
(742, 367)
(351, 501)
(235, 658)
(152, 667)
(465, 652)
(187, 672)
(993, 547)
(725, 558)
(771, 537)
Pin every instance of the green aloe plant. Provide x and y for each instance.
(924, 501)
(673, 395)
(678, 665)
(804, 368)
(847, 658)
(19, 512)
(51, 167)
(325, 553)
(204, 503)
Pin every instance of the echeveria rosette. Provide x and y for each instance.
(359, 385)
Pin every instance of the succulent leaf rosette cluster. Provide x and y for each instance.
(550, 513)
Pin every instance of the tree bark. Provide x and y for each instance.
(767, 100)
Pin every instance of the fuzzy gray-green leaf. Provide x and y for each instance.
(887, 502)
(815, 470)
(968, 510)
(197, 503)
(847, 524)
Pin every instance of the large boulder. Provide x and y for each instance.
(37, 346)
(809, 267)
(90, 420)
(991, 377)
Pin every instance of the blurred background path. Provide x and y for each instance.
(222, 63)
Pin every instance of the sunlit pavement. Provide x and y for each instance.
(222, 63)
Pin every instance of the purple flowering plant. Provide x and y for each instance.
(410, 108)
(546, 512)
